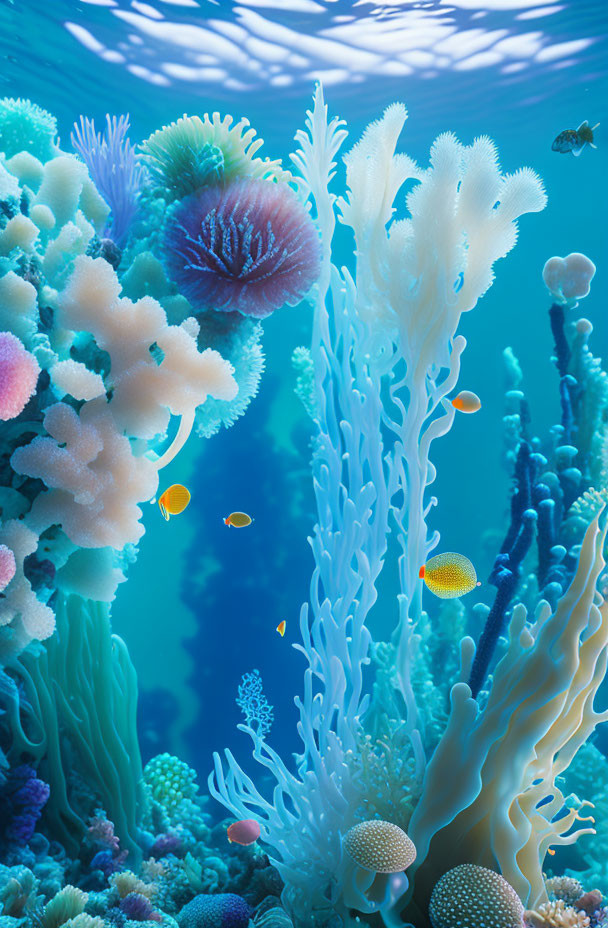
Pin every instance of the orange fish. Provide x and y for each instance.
(238, 519)
(467, 401)
(174, 500)
(281, 627)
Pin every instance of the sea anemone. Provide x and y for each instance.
(472, 895)
(250, 247)
(19, 372)
(193, 152)
(24, 126)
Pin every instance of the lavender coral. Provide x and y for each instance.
(250, 246)
(112, 165)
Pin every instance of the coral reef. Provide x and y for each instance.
(439, 776)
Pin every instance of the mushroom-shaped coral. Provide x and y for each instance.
(8, 566)
(94, 480)
(250, 246)
(569, 279)
(19, 372)
(472, 895)
(379, 846)
(193, 152)
(377, 853)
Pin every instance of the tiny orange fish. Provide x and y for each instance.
(174, 500)
(467, 401)
(238, 519)
(281, 627)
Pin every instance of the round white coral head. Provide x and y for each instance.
(569, 279)
(379, 846)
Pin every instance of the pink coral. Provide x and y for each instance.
(18, 375)
(8, 566)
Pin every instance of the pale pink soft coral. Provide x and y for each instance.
(19, 372)
(8, 566)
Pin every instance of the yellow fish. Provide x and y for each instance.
(281, 627)
(174, 500)
(467, 401)
(449, 575)
(238, 519)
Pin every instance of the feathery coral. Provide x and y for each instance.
(111, 161)
(250, 246)
(193, 152)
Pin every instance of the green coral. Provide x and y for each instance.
(66, 905)
(171, 785)
(25, 126)
(192, 152)
(18, 892)
(304, 367)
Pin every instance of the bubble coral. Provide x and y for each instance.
(379, 846)
(569, 279)
(170, 780)
(193, 152)
(250, 246)
(24, 126)
(224, 910)
(472, 895)
(19, 372)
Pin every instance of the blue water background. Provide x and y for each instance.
(202, 602)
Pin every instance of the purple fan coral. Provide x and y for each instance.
(115, 172)
(250, 246)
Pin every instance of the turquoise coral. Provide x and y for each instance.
(25, 126)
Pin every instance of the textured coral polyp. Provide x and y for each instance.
(250, 246)
(18, 375)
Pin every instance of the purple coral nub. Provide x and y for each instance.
(25, 796)
(138, 908)
(250, 246)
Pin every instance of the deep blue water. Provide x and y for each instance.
(202, 602)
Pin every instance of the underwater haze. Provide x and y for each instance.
(304, 463)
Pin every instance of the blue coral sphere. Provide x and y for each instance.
(223, 910)
(250, 246)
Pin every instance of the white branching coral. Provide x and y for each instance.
(145, 391)
(95, 481)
